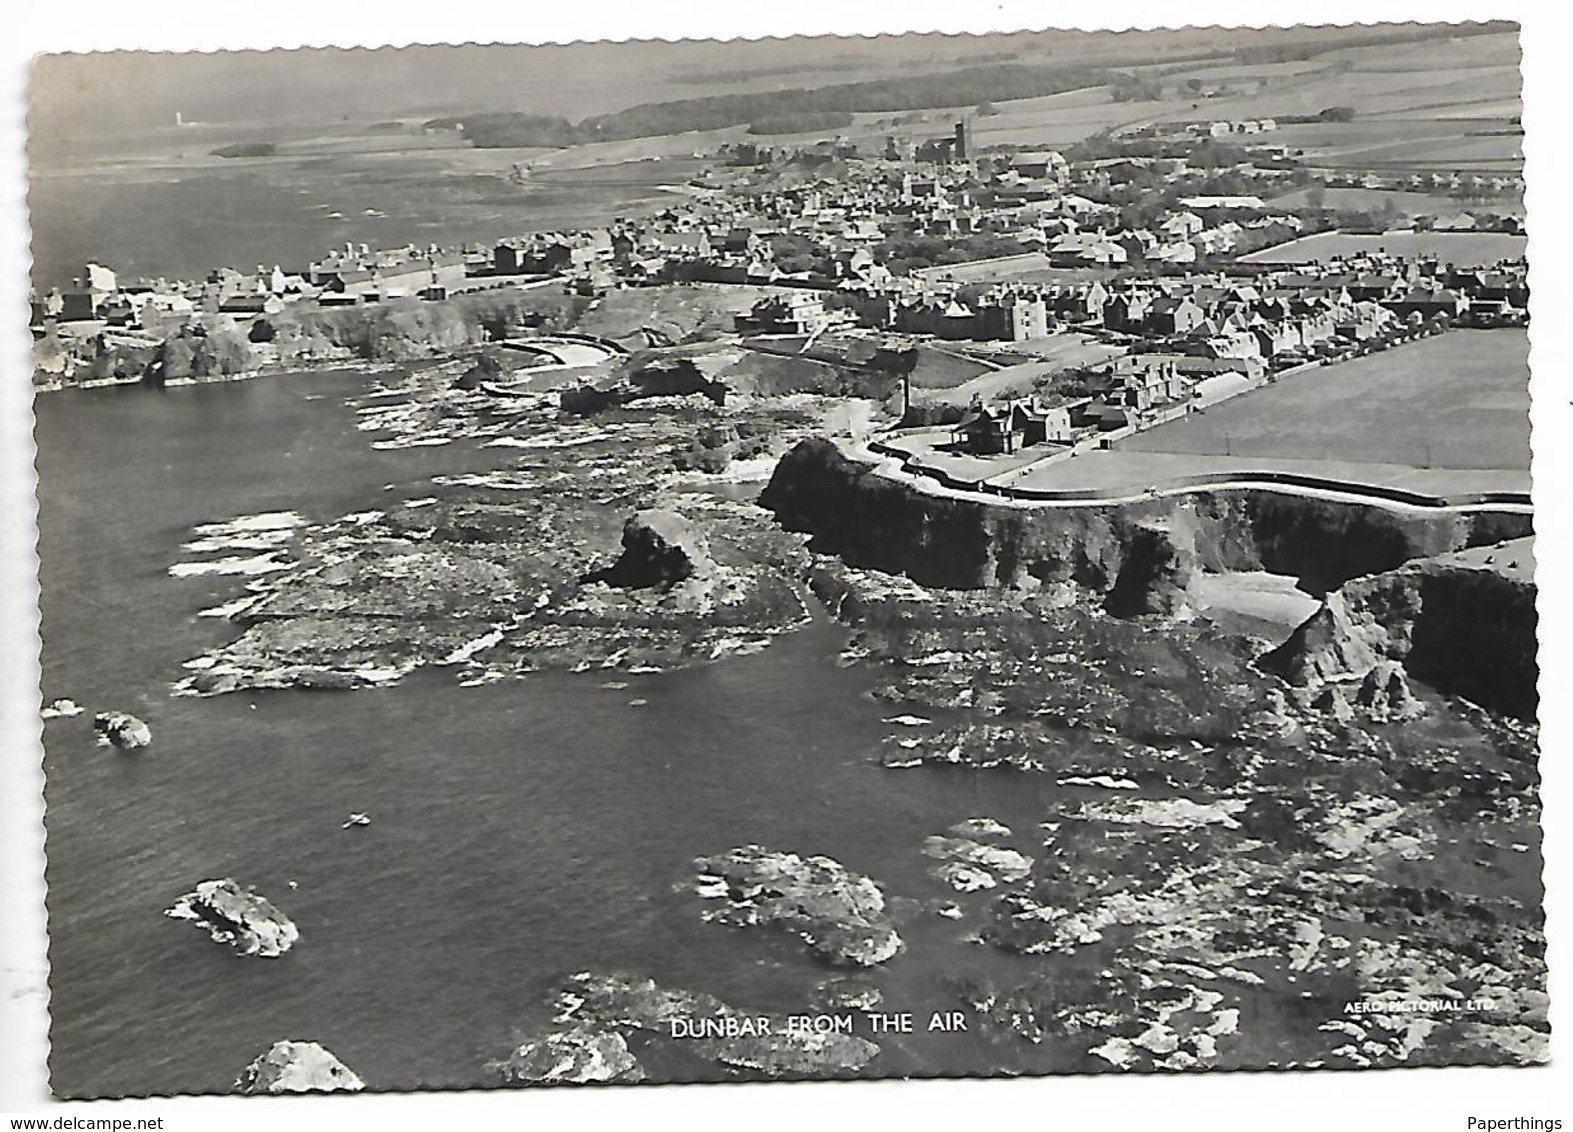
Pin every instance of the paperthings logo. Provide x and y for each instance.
(1515, 1124)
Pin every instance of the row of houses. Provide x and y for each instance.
(1130, 389)
(351, 274)
(1216, 315)
(361, 274)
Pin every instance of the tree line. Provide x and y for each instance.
(968, 86)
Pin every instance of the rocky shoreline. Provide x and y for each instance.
(1238, 835)
(592, 549)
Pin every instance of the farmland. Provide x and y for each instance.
(1459, 248)
(1406, 203)
(1444, 416)
(1458, 400)
(1406, 116)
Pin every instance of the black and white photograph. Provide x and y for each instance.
(864, 557)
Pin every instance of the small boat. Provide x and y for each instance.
(356, 819)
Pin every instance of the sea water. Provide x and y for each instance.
(520, 831)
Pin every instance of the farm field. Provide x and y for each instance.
(1445, 416)
(1462, 248)
(1490, 152)
(1466, 144)
(1407, 203)
(1437, 115)
(1407, 115)
(1384, 79)
(1459, 400)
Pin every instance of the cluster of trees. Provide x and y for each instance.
(1130, 88)
(800, 123)
(1326, 114)
(794, 254)
(904, 254)
(844, 62)
(246, 149)
(507, 129)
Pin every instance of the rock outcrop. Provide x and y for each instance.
(1456, 624)
(1385, 694)
(1158, 570)
(237, 916)
(660, 549)
(839, 914)
(576, 1056)
(968, 865)
(1332, 644)
(486, 368)
(121, 730)
(298, 1067)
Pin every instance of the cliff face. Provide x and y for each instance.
(1461, 629)
(874, 522)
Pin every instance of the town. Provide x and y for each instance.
(1106, 289)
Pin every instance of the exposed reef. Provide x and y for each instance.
(239, 917)
(839, 914)
(298, 1067)
(120, 730)
(589, 550)
(1224, 858)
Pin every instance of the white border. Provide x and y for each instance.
(1397, 1099)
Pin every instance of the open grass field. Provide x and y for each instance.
(1444, 416)
(1126, 473)
(1028, 267)
(1407, 203)
(1462, 248)
(1052, 354)
(1456, 401)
